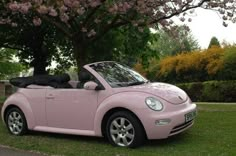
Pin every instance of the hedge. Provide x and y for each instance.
(211, 91)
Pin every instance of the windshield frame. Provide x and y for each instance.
(116, 71)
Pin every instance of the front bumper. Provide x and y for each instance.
(177, 123)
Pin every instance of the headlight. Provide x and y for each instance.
(154, 104)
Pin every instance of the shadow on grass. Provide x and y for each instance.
(66, 136)
(102, 140)
(166, 142)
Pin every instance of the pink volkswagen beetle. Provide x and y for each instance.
(109, 100)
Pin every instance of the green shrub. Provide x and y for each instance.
(228, 71)
(194, 90)
(211, 91)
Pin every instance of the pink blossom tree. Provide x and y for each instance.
(84, 22)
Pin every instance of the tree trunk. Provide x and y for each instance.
(39, 68)
(34, 39)
(80, 54)
(40, 60)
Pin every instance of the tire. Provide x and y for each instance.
(125, 130)
(16, 122)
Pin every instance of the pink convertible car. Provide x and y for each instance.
(109, 100)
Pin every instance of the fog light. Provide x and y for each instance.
(162, 122)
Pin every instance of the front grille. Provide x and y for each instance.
(178, 128)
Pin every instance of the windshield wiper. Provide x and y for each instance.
(136, 83)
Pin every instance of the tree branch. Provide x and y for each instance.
(11, 47)
(93, 12)
(58, 25)
(86, 20)
(110, 27)
(178, 12)
(125, 22)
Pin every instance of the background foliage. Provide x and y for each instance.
(228, 71)
(214, 42)
(8, 67)
(211, 64)
(40, 26)
(177, 40)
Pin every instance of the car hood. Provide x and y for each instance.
(167, 92)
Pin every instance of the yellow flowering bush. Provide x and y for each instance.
(139, 68)
(209, 64)
(193, 66)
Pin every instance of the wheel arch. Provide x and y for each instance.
(10, 106)
(114, 110)
(19, 101)
(132, 102)
(15, 129)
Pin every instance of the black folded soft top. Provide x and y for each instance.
(56, 81)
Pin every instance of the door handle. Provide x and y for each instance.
(50, 96)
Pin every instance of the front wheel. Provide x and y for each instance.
(16, 122)
(125, 130)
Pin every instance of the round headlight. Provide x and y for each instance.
(154, 104)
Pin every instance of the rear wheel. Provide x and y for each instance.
(16, 122)
(124, 129)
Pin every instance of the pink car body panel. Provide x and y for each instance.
(81, 111)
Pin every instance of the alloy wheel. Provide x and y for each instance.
(15, 122)
(122, 131)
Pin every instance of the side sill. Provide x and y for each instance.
(64, 131)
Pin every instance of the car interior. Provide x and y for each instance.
(84, 77)
(54, 81)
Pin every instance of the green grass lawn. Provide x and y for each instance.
(214, 134)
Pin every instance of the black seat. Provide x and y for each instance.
(84, 77)
(62, 81)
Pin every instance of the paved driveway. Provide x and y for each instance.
(4, 151)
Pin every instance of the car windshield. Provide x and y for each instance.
(118, 75)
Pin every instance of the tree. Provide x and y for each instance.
(214, 42)
(126, 45)
(8, 67)
(36, 47)
(30, 45)
(175, 41)
(229, 61)
(86, 21)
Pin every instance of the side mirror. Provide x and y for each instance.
(90, 85)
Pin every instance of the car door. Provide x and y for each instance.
(71, 108)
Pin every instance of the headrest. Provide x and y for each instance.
(84, 76)
(62, 78)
